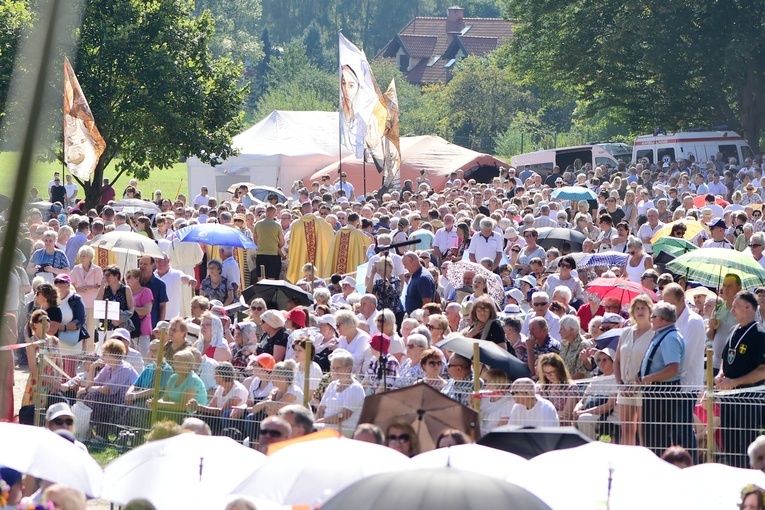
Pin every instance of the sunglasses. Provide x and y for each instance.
(539, 304)
(404, 438)
(565, 265)
(435, 363)
(257, 308)
(516, 251)
(61, 421)
(755, 245)
(270, 432)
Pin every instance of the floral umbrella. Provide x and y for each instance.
(494, 283)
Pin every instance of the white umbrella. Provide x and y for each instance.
(599, 475)
(312, 472)
(473, 457)
(715, 486)
(187, 466)
(41, 453)
(128, 242)
(134, 205)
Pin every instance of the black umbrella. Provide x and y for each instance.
(490, 354)
(276, 294)
(426, 409)
(609, 339)
(434, 489)
(560, 237)
(664, 258)
(528, 442)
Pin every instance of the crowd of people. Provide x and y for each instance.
(391, 276)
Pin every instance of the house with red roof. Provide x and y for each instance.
(427, 48)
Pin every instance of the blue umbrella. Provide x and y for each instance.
(574, 193)
(215, 234)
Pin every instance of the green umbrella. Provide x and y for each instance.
(673, 245)
(709, 266)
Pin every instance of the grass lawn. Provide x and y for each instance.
(104, 456)
(42, 172)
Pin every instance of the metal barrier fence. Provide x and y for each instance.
(715, 426)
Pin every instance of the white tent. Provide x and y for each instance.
(278, 150)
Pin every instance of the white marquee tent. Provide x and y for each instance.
(278, 150)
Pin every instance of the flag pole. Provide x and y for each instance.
(339, 111)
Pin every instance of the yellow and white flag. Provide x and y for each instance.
(83, 144)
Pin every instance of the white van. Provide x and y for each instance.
(703, 145)
(595, 154)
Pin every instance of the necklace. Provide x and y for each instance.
(732, 351)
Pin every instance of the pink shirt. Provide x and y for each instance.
(93, 277)
(141, 298)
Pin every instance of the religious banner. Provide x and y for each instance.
(83, 144)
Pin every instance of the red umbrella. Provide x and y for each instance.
(624, 290)
(701, 200)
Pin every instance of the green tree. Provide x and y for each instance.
(236, 28)
(481, 99)
(14, 17)
(663, 63)
(156, 91)
(297, 84)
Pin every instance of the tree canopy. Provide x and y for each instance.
(662, 64)
(155, 89)
(14, 16)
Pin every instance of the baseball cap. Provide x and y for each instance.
(717, 222)
(122, 333)
(57, 410)
(62, 278)
(348, 280)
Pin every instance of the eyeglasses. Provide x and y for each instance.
(270, 432)
(412, 346)
(565, 266)
(404, 438)
(540, 304)
(257, 308)
(61, 422)
(432, 327)
(435, 363)
(516, 251)
(755, 245)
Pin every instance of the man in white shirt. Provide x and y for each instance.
(717, 229)
(368, 313)
(756, 247)
(71, 190)
(649, 228)
(445, 239)
(353, 340)
(201, 199)
(531, 410)
(544, 219)
(174, 280)
(693, 332)
(540, 302)
(716, 187)
(486, 244)
(231, 269)
(120, 223)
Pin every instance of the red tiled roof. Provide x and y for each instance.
(479, 45)
(429, 37)
(419, 46)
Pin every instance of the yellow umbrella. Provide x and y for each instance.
(692, 229)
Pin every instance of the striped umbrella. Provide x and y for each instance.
(574, 193)
(709, 266)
